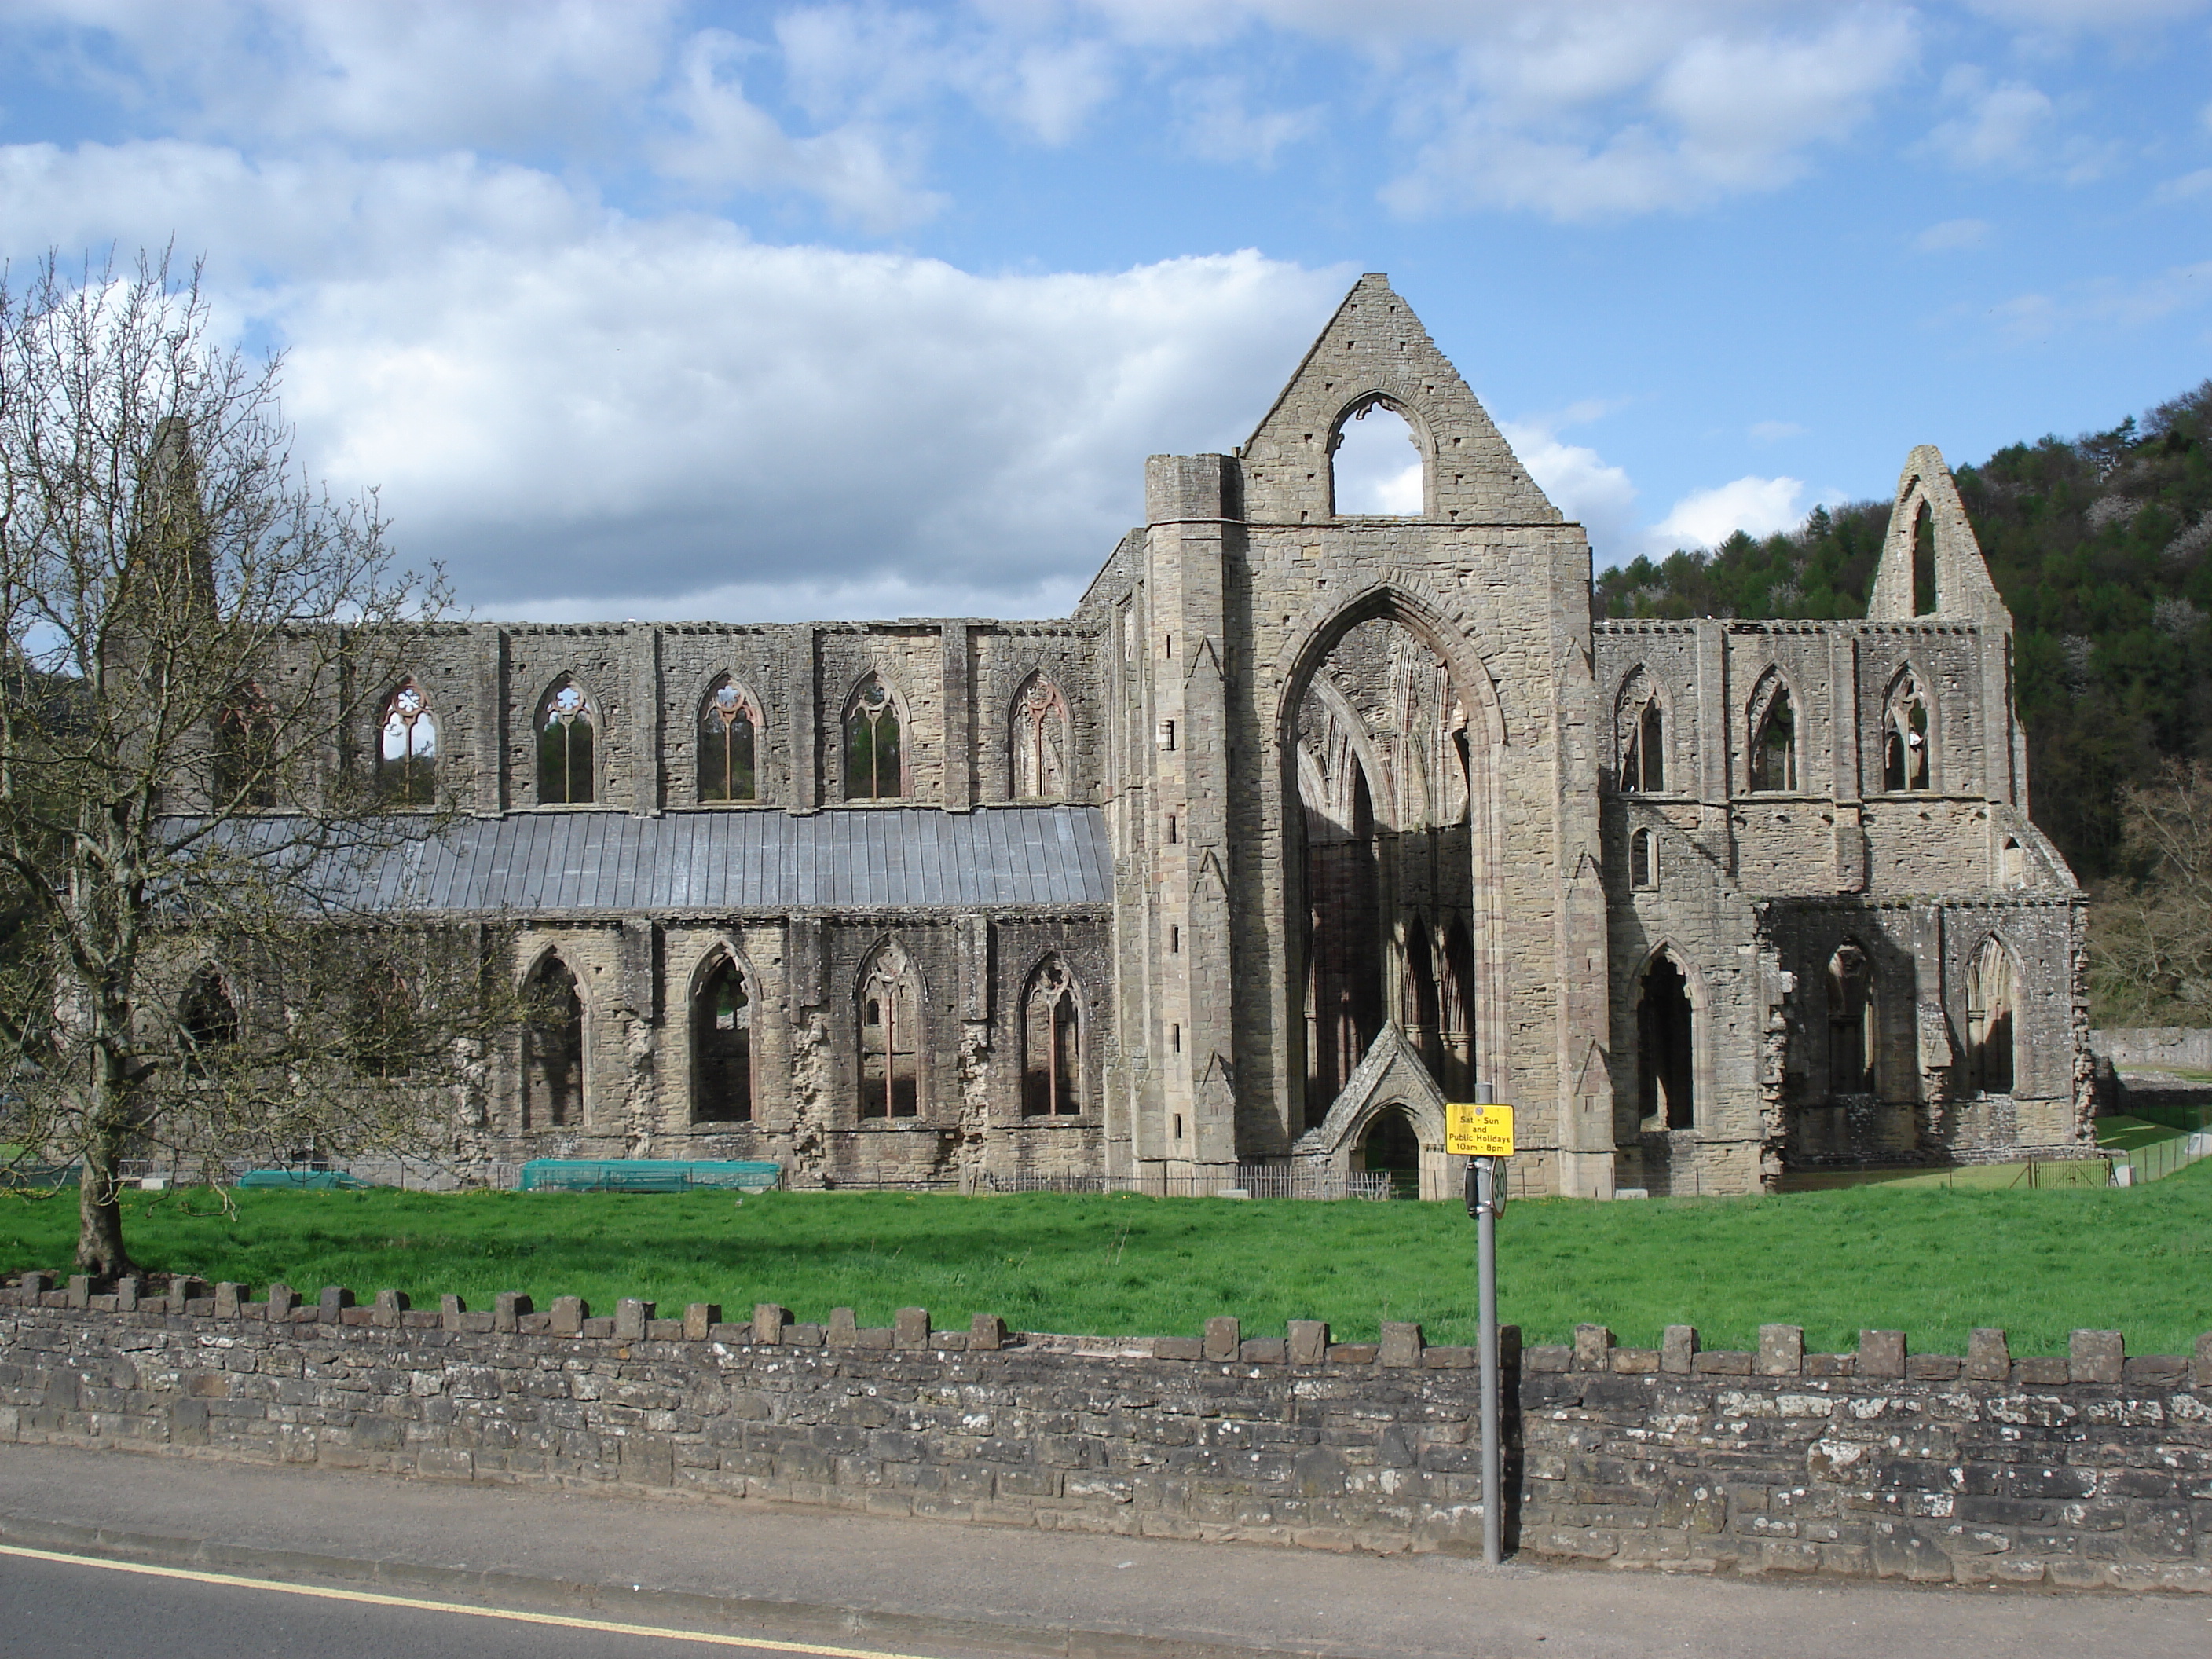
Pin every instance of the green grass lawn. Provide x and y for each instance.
(1930, 1260)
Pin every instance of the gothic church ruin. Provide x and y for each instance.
(1304, 822)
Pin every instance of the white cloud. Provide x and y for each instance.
(1215, 126)
(1580, 483)
(658, 416)
(1773, 432)
(1953, 236)
(1999, 124)
(1584, 112)
(1706, 518)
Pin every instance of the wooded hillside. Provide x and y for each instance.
(2102, 548)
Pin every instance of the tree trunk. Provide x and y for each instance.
(99, 1249)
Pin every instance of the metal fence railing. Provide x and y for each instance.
(1254, 1179)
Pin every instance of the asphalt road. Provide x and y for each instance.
(59, 1609)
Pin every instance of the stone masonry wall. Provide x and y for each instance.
(2094, 1470)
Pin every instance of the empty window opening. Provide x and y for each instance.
(1923, 562)
(1454, 1001)
(552, 1048)
(1167, 734)
(1178, 1126)
(1664, 1070)
(1040, 742)
(1375, 464)
(722, 1047)
(875, 767)
(246, 752)
(407, 748)
(207, 1022)
(1175, 1038)
(567, 733)
(1992, 989)
(1774, 745)
(729, 738)
(891, 1033)
(382, 1027)
(1850, 1022)
(1905, 738)
(1172, 829)
(1390, 1147)
(1174, 940)
(2013, 864)
(1052, 1045)
(1643, 860)
(1644, 760)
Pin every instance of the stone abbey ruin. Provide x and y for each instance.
(1304, 822)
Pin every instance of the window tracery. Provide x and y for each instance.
(407, 748)
(1992, 990)
(729, 730)
(567, 731)
(875, 765)
(1040, 741)
(1052, 1044)
(1774, 741)
(890, 1032)
(1644, 739)
(1851, 1035)
(1904, 737)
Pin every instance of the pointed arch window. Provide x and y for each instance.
(207, 1022)
(1850, 1022)
(568, 735)
(1040, 742)
(552, 1048)
(875, 761)
(1052, 1044)
(1992, 1023)
(1644, 749)
(381, 1026)
(722, 1046)
(1774, 742)
(890, 1031)
(245, 750)
(1905, 738)
(729, 732)
(1376, 464)
(407, 748)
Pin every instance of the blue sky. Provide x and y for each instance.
(763, 311)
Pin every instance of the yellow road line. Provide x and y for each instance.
(372, 1598)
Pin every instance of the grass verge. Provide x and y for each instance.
(1930, 1261)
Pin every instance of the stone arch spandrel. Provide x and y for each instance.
(1375, 348)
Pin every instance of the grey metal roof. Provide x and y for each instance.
(876, 858)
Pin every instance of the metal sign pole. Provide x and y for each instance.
(1486, 1178)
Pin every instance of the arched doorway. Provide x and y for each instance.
(1391, 1146)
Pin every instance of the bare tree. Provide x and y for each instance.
(191, 631)
(2150, 933)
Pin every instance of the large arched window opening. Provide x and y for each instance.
(1643, 733)
(1040, 742)
(382, 1023)
(1925, 597)
(1773, 739)
(568, 735)
(246, 755)
(407, 748)
(1904, 737)
(729, 735)
(1992, 1021)
(1665, 1027)
(1052, 1044)
(207, 1022)
(875, 757)
(1376, 464)
(722, 1046)
(1384, 852)
(552, 1048)
(1851, 1029)
(890, 1037)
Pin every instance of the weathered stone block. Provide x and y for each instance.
(844, 1331)
(769, 1321)
(1989, 1359)
(331, 1304)
(569, 1314)
(1307, 1342)
(1881, 1354)
(390, 1305)
(1401, 1343)
(1221, 1339)
(1678, 1348)
(1781, 1350)
(2094, 1356)
(700, 1318)
(987, 1334)
(1593, 1348)
(632, 1316)
(911, 1328)
(509, 1308)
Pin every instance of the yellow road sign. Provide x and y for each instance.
(1474, 1131)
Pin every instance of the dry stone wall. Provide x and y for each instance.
(2092, 1470)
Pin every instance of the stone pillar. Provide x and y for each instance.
(642, 656)
(959, 706)
(801, 652)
